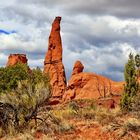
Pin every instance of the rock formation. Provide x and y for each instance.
(53, 61)
(16, 58)
(78, 67)
(107, 103)
(83, 85)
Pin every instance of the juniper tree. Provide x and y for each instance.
(131, 84)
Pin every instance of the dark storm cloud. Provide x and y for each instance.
(27, 14)
(82, 34)
(120, 8)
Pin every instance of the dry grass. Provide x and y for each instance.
(65, 119)
(125, 128)
(28, 136)
(89, 112)
(111, 120)
(129, 126)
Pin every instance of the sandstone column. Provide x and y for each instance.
(53, 61)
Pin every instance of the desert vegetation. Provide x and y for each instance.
(25, 112)
(132, 86)
(24, 109)
(22, 92)
(40, 105)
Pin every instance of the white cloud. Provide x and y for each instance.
(3, 59)
(109, 60)
(15, 42)
(91, 31)
(36, 63)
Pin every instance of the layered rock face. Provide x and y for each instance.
(53, 61)
(83, 85)
(13, 59)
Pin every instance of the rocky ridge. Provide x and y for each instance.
(82, 85)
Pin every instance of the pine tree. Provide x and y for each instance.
(137, 61)
(131, 86)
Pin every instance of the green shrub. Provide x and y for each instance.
(21, 99)
(10, 76)
(131, 87)
(74, 106)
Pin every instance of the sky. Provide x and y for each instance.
(100, 33)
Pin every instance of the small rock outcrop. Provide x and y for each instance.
(13, 59)
(107, 103)
(84, 85)
(53, 61)
(78, 67)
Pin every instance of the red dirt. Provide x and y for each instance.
(92, 131)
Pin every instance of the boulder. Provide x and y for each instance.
(107, 103)
(53, 61)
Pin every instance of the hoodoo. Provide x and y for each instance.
(13, 59)
(90, 85)
(78, 67)
(53, 61)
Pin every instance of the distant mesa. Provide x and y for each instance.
(13, 59)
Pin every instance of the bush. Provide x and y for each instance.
(135, 108)
(74, 106)
(21, 99)
(131, 88)
(10, 76)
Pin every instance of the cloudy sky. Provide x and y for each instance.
(101, 33)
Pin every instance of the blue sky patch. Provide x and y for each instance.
(7, 32)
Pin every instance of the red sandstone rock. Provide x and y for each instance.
(78, 67)
(139, 79)
(13, 59)
(54, 102)
(89, 85)
(53, 61)
(107, 103)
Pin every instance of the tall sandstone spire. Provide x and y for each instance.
(53, 61)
